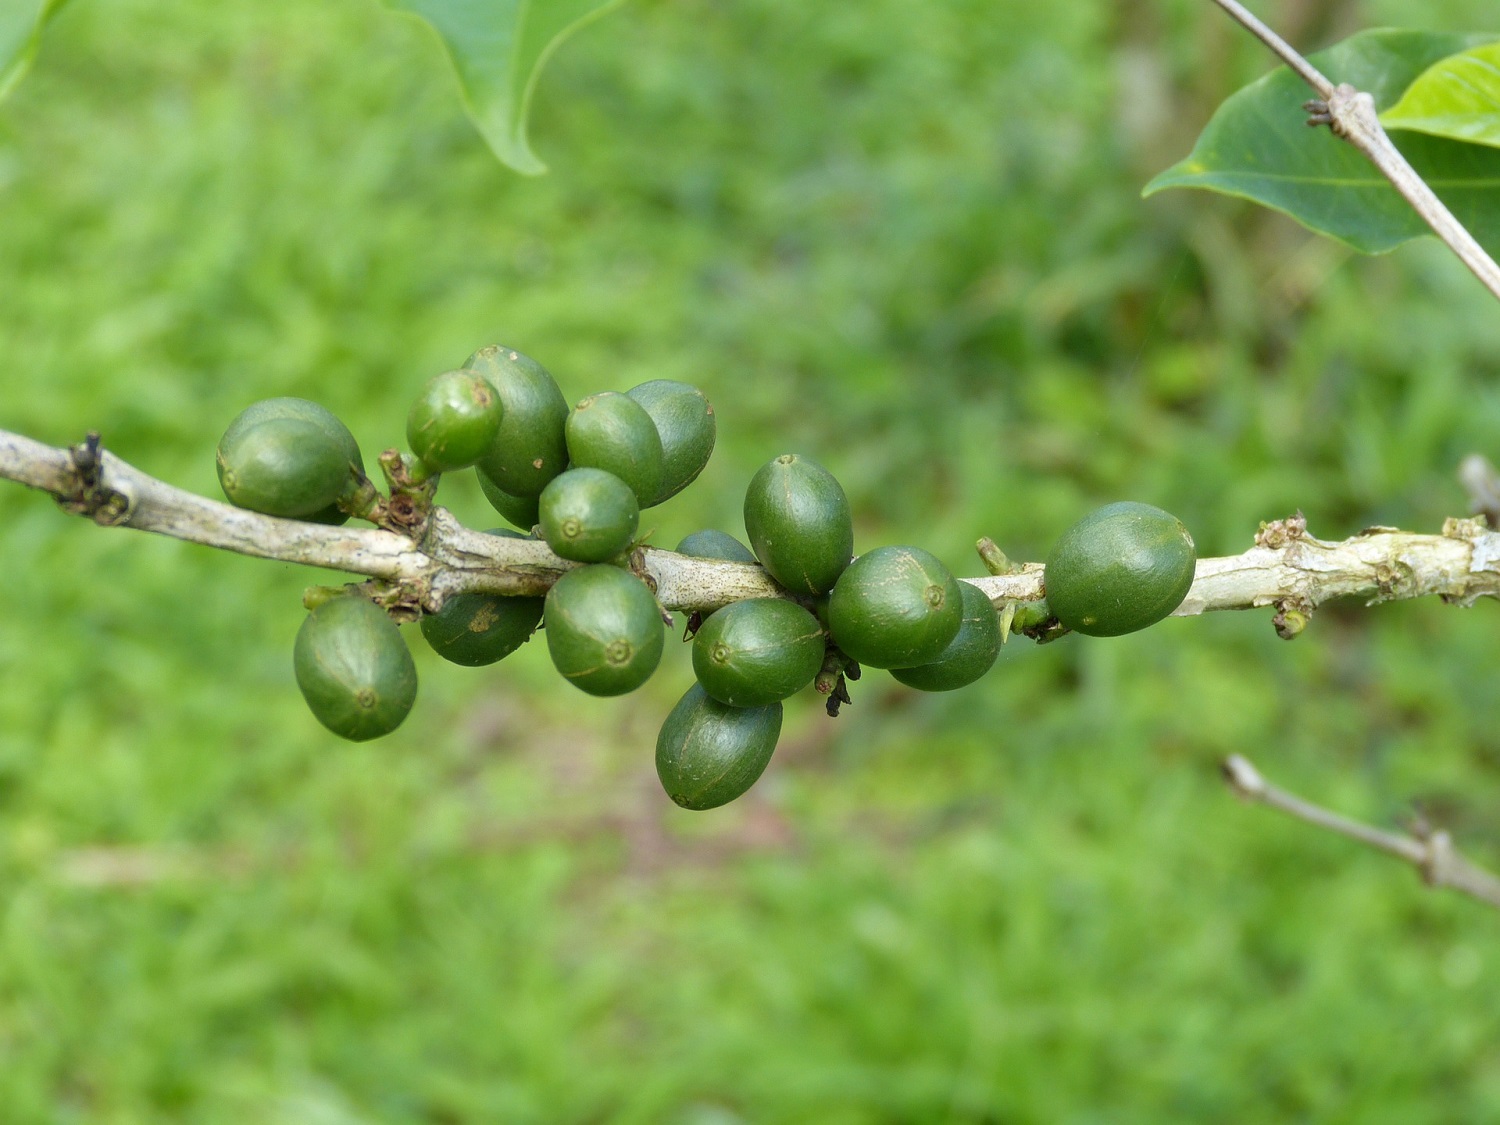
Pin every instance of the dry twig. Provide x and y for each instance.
(1430, 851)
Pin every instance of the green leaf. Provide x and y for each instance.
(498, 48)
(1458, 97)
(21, 24)
(1257, 147)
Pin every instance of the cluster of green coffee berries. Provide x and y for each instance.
(579, 479)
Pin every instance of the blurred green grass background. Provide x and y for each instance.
(904, 239)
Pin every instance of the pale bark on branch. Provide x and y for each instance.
(1287, 568)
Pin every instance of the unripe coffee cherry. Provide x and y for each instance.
(895, 607)
(306, 410)
(588, 515)
(969, 655)
(354, 669)
(710, 544)
(798, 521)
(529, 449)
(758, 651)
(1119, 569)
(685, 421)
(523, 511)
(282, 467)
(613, 432)
(324, 419)
(708, 753)
(454, 421)
(478, 629)
(604, 629)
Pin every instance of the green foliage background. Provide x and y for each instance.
(906, 240)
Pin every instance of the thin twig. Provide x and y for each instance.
(1351, 115)
(1431, 852)
(1287, 53)
(1287, 568)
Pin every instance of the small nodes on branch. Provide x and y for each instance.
(90, 496)
(1289, 567)
(1276, 534)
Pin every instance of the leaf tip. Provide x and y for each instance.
(1170, 178)
(515, 155)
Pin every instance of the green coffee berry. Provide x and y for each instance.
(282, 467)
(685, 421)
(969, 655)
(895, 607)
(454, 421)
(1119, 569)
(354, 669)
(798, 521)
(588, 515)
(307, 411)
(613, 432)
(758, 651)
(708, 753)
(478, 629)
(604, 629)
(523, 511)
(709, 544)
(529, 449)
